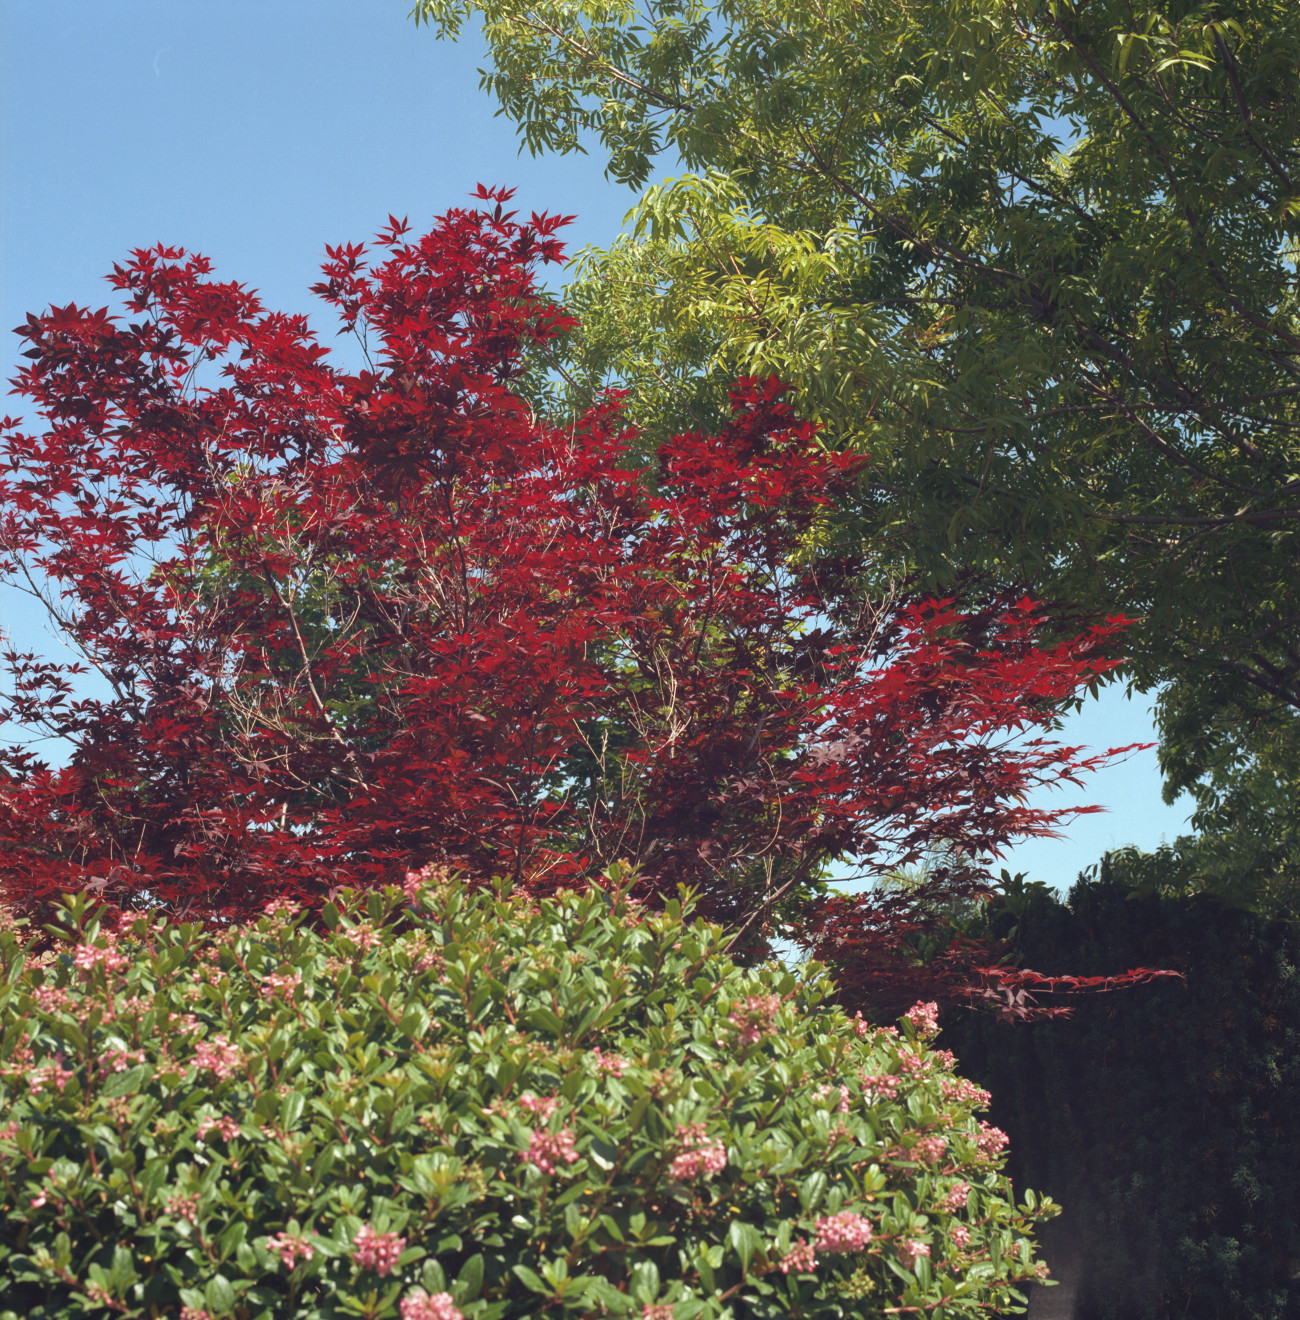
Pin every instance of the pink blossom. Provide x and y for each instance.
(878, 1086)
(364, 936)
(802, 1258)
(845, 1231)
(700, 1156)
(219, 1055)
(958, 1090)
(289, 1248)
(120, 1060)
(542, 1106)
(699, 1163)
(930, 1150)
(914, 1063)
(415, 881)
(193, 1313)
(282, 907)
(960, 1235)
(280, 984)
(991, 1140)
(545, 1148)
(755, 1016)
(49, 1075)
(608, 1063)
(9, 1131)
(377, 1251)
(924, 1018)
(88, 957)
(50, 998)
(183, 1207)
(843, 1104)
(419, 1305)
(660, 1312)
(227, 1127)
(910, 1252)
(861, 1027)
(956, 1199)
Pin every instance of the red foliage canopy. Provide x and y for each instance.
(354, 622)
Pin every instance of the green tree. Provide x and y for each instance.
(1037, 257)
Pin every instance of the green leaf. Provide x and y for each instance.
(231, 1239)
(643, 1282)
(531, 1279)
(127, 1082)
(219, 1296)
(469, 1282)
(746, 1241)
(812, 1191)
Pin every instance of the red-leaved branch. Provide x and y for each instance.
(346, 623)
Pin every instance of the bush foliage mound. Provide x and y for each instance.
(446, 1102)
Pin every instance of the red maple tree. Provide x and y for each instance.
(354, 622)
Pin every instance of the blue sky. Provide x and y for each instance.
(256, 131)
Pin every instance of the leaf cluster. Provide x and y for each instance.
(1038, 258)
(354, 622)
(181, 1099)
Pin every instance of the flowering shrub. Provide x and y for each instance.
(459, 1104)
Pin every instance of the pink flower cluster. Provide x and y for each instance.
(120, 1060)
(227, 1127)
(133, 1006)
(754, 1016)
(914, 1063)
(281, 907)
(924, 1018)
(289, 1248)
(991, 1140)
(377, 1251)
(700, 1156)
(542, 1106)
(802, 1258)
(420, 1305)
(879, 1086)
(546, 1148)
(49, 1075)
(280, 984)
(845, 1231)
(930, 1150)
(416, 881)
(50, 998)
(652, 1312)
(956, 1199)
(193, 1313)
(219, 1055)
(48, 1195)
(364, 936)
(183, 1207)
(960, 1235)
(88, 957)
(843, 1102)
(608, 1063)
(959, 1091)
(910, 1252)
